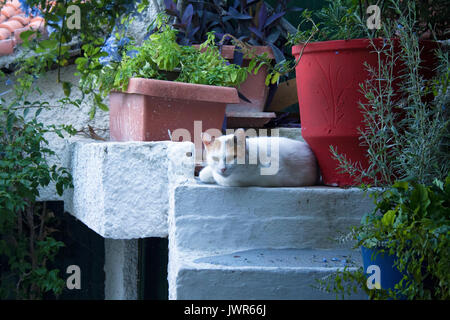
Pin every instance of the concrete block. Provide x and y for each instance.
(121, 269)
(121, 189)
(214, 218)
(289, 274)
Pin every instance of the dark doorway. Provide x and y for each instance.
(153, 259)
(84, 248)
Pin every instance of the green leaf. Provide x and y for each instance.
(401, 185)
(48, 44)
(267, 82)
(388, 218)
(26, 35)
(67, 87)
(275, 78)
(99, 102)
(257, 69)
(10, 121)
(252, 65)
(25, 112)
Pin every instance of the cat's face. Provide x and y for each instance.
(225, 153)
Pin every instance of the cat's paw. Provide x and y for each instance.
(206, 175)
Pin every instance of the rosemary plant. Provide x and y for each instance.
(406, 116)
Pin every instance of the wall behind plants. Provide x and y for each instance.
(41, 112)
(68, 114)
(52, 91)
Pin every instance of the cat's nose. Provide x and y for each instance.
(223, 170)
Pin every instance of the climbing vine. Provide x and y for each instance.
(27, 245)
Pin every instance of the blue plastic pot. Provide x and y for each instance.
(389, 274)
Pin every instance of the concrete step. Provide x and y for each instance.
(279, 274)
(216, 235)
(214, 218)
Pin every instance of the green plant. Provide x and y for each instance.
(250, 21)
(339, 20)
(98, 19)
(406, 117)
(26, 226)
(27, 245)
(406, 132)
(432, 17)
(161, 57)
(410, 221)
(275, 72)
(346, 19)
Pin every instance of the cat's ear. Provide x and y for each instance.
(207, 139)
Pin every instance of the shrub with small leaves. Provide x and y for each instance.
(27, 245)
(26, 242)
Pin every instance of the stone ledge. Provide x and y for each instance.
(216, 234)
(213, 218)
(121, 189)
(258, 274)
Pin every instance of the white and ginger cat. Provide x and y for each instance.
(237, 160)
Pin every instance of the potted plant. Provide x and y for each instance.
(254, 29)
(332, 68)
(406, 237)
(161, 86)
(407, 234)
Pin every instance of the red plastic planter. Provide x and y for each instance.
(150, 108)
(328, 86)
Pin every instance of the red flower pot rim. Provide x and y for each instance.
(182, 91)
(341, 45)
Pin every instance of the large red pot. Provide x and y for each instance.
(329, 75)
(150, 109)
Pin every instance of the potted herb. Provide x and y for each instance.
(407, 239)
(244, 29)
(342, 55)
(161, 86)
(410, 226)
(405, 127)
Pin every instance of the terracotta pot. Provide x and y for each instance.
(328, 78)
(254, 88)
(149, 109)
